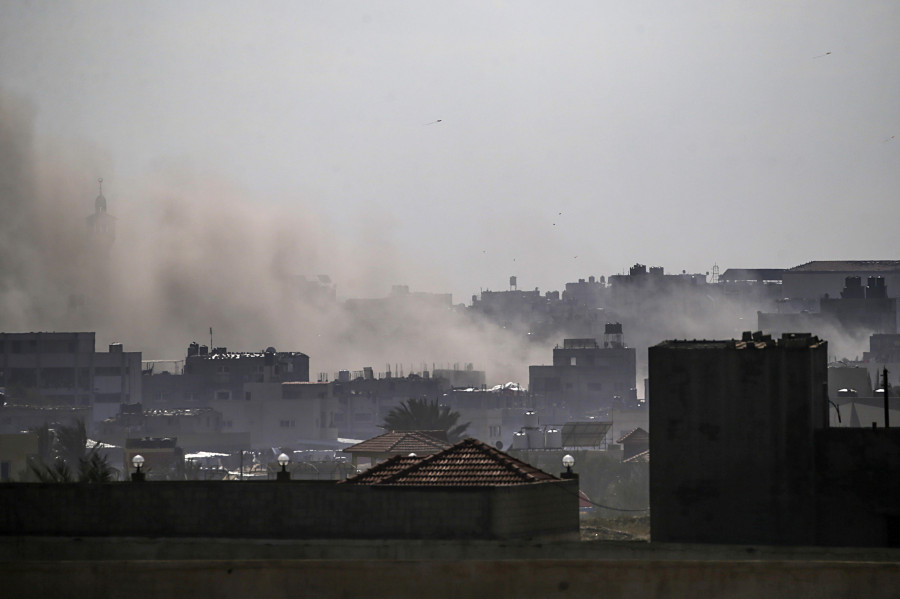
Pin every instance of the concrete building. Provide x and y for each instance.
(221, 375)
(64, 369)
(818, 278)
(731, 438)
(363, 400)
(197, 429)
(742, 453)
(859, 308)
(586, 376)
(282, 414)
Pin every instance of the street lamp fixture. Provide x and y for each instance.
(137, 461)
(283, 459)
(568, 461)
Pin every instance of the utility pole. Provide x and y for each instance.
(886, 388)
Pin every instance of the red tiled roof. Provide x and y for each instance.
(637, 434)
(468, 463)
(644, 456)
(403, 443)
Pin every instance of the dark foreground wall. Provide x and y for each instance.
(292, 510)
(858, 487)
(450, 578)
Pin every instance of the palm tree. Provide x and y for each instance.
(69, 446)
(423, 415)
(71, 443)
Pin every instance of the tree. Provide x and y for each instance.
(423, 415)
(67, 448)
(71, 443)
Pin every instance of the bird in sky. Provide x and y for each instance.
(891, 138)
(434, 122)
(821, 55)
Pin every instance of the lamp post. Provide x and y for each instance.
(568, 461)
(283, 460)
(137, 476)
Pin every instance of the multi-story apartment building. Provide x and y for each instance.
(64, 369)
(587, 377)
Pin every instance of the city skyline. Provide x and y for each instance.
(450, 147)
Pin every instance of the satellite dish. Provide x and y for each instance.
(499, 444)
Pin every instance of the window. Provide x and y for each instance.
(246, 396)
(573, 361)
(286, 423)
(223, 394)
(222, 369)
(494, 431)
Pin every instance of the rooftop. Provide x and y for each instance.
(757, 340)
(403, 443)
(469, 463)
(637, 434)
(842, 266)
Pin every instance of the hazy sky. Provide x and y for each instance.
(679, 134)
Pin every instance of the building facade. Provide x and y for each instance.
(742, 451)
(586, 376)
(64, 369)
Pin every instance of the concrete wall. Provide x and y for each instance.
(437, 579)
(189, 567)
(268, 509)
(732, 452)
(858, 487)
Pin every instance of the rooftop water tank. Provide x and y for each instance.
(535, 438)
(553, 438)
(520, 441)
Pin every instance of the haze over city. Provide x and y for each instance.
(443, 147)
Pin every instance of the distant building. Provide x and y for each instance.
(816, 279)
(467, 378)
(220, 375)
(587, 376)
(639, 276)
(364, 400)
(64, 369)
(293, 414)
(590, 292)
(859, 308)
(197, 429)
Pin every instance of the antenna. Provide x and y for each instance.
(100, 181)
(715, 274)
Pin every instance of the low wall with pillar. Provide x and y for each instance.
(290, 510)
